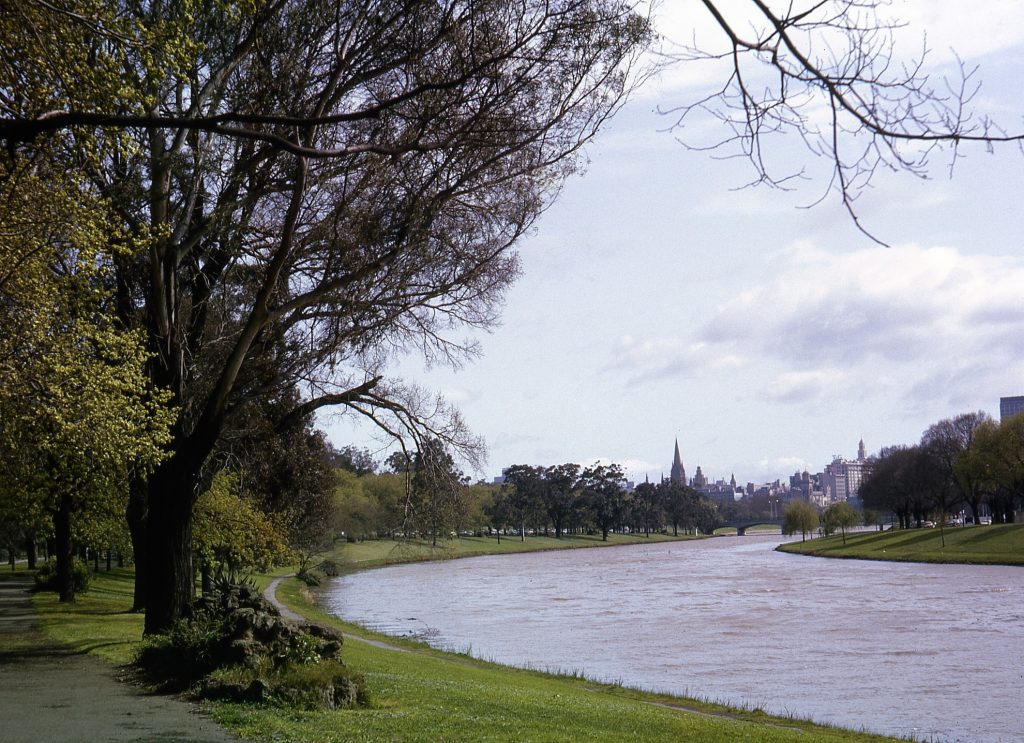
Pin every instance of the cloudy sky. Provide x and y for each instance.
(660, 300)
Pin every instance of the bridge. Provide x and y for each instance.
(741, 525)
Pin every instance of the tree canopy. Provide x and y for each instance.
(294, 192)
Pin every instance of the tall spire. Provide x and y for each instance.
(862, 452)
(678, 474)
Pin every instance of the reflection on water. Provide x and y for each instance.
(930, 651)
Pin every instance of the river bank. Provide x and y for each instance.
(421, 694)
(732, 620)
(997, 544)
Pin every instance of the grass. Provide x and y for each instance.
(422, 694)
(375, 553)
(100, 621)
(1001, 544)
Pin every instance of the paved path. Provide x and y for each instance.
(49, 694)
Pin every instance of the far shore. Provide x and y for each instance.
(997, 544)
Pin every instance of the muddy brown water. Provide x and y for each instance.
(935, 652)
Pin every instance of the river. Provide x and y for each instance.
(930, 651)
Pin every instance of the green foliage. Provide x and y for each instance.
(839, 516)
(301, 686)
(235, 635)
(46, 576)
(231, 534)
(799, 516)
(184, 655)
(78, 414)
(308, 576)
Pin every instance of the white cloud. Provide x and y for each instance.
(460, 395)
(769, 469)
(655, 358)
(795, 386)
(982, 28)
(900, 304)
(908, 320)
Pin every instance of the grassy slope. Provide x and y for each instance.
(420, 694)
(985, 545)
(362, 555)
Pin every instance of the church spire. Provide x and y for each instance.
(677, 474)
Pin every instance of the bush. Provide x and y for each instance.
(46, 576)
(329, 568)
(184, 655)
(235, 645)
(328, 684)
(308, 577)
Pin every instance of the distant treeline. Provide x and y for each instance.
(966, 463)
(420, 498)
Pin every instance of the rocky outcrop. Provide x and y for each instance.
(242, 649)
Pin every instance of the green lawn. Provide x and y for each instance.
(1001, 544)
(374, 553)
(420, 694)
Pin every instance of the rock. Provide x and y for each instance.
(346, 694)
(258, 691)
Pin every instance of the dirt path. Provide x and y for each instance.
(50, 694)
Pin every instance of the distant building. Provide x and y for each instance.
(678, 473)
(842, 479)
(1010, 406)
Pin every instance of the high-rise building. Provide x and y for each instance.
(842, 478)
(1010, 406)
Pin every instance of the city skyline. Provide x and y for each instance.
(659, 299)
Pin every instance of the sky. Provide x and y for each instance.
(661, 300)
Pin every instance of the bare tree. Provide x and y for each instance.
(828, 73)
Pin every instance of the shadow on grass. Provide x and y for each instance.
(982, 535)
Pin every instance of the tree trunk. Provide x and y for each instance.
(30, 550)
(206, 578)
(135, 514)
(169, 586)
(64, 548)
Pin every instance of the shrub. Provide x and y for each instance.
(328, 684)
(235, 645)
(329, 568)
(308, 577)
(46, 576)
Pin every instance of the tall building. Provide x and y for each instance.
(678, 474)
(1010, 406)
(842, 479)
